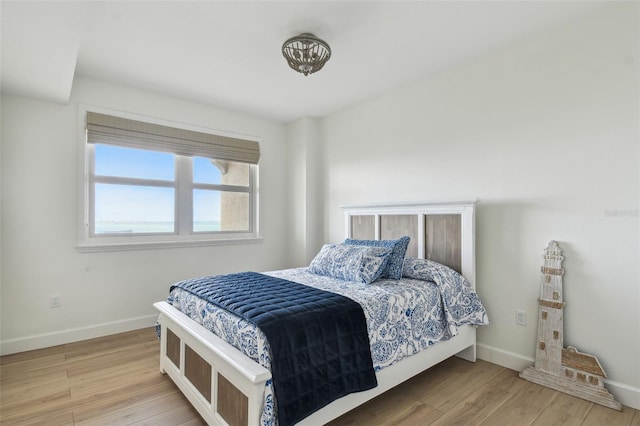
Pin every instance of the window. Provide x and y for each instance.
(153, 185)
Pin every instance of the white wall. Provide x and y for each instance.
(304, 212)
(545, 135)
(105, 292)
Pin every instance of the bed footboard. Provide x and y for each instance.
(223, 384)
(227, 387)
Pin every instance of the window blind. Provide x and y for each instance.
(107, 129)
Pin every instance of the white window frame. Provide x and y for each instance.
(184, 186)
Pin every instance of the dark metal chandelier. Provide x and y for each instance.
(306, 53)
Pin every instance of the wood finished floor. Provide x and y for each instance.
(115, 380)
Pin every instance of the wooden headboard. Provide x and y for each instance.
(440, 231)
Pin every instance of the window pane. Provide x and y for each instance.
(134, 163)
(220, 211)
(133, 209)
(206, 170)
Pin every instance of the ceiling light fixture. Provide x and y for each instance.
(306, 53)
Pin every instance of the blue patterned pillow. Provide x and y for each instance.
(350, 263)
(399, 248)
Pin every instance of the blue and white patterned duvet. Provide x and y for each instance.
(403, 317)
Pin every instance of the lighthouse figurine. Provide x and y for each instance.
(564, 369)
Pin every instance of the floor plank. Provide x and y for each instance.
(116, 400)
(461, 384)
(139, 413)
(49, 418)
(564, 410)
(599, 415)
(115, 380)
(415, 413)
(484, 401)
(523, 407)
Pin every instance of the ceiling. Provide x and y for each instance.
(227, 53)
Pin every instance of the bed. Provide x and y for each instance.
(230, 384)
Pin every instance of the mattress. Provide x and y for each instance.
(403, 317)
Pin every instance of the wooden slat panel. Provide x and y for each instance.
(198, 371)
(233, 405)
(363, 227)
(395, 226)
(443, 240)
(173, 348)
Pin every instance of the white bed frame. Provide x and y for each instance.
(227, 387)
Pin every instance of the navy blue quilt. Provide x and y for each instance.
(319, 343)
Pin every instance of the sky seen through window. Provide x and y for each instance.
(130, 203)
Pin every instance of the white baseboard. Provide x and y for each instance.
(511, 360)
(625, 394)
(55, 338)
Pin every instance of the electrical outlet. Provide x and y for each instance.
(54, 301)
(521, 317)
